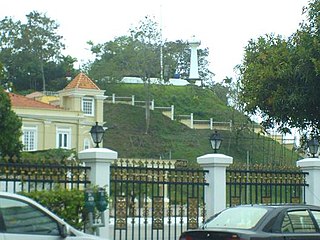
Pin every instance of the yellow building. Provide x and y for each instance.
(65, 124)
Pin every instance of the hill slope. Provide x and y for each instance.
(203, 103)
(169, 139)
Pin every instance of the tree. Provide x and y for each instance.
(59, 73)
(40, 38)
(25, 49)
(122, 56)
(10, 128)
(280, 77)
(135, 55)
(138, 55)
(147, 38)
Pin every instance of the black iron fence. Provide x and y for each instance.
(17, 177)
(155, 199)
(158, 199)
(263, 184)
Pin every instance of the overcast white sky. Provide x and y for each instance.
(224, 26)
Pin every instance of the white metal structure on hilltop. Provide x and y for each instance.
(194, 44)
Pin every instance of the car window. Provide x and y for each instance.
(239, 217)
(286, 224)
(20, 217)
(298, 221)
(316, 215)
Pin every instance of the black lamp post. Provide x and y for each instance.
(97, 134)
(215, 141)
(313, 146)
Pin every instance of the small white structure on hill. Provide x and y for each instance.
(194, 69)
(171, 81)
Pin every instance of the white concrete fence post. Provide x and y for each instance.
(132, 100)
(215, 193)
(113, 98)
(312, 192)
(172, 112)
(100, 160)
(191, 120)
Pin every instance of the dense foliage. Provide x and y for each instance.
(67, 204)
(280, 77)
(56, 156)
(31, 53)
(10, 128)
(139, 54)
(143, 54)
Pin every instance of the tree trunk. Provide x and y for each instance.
(42, 75)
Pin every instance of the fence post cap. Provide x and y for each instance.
(98, 153)
(309, 162)
(215, 159)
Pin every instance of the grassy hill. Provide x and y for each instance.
(171, 139)
(186, 99)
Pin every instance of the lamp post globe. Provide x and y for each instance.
(97, 133)
(215, 141)
(313, 145)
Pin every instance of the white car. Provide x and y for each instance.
(23, 218)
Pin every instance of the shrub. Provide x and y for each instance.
(67, 204)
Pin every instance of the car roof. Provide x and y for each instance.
(14, 195)
(280, 206)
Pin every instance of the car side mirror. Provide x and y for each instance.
(63, 230)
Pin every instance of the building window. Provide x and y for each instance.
(29, 138)
(63, 138)
(88, 106)
(86, 144)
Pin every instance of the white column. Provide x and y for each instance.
(113, 98)
(191, 120)
(194, 44)
(132, 100)
(312, 166)
(215, 195)
(100, 160)
(172, 112)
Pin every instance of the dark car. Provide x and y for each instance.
(257, 222)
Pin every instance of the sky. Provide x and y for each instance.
(223, 26)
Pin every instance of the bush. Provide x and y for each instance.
(57, 156)
(67, 204)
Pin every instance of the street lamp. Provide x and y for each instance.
(215, 141)
(97, 134)
(313, 146)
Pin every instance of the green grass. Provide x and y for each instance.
(186, 99)
(171, 139)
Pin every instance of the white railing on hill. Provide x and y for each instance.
(192, 123)
(168, 111)
(188, 120)
(204, 124)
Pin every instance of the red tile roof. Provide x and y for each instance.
(22, 101)
(82, 81)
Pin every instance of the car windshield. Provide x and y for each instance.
(238, 217)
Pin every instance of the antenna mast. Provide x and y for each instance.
(161, 50)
